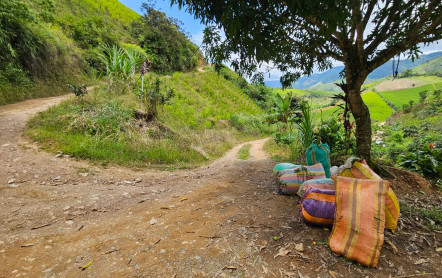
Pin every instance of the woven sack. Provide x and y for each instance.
(289, 181)
(318, 207)
(358, 230)
(319, 153)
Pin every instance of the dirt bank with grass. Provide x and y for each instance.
(67, 218)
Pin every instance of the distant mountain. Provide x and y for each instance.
(317, 80)
(430, 66)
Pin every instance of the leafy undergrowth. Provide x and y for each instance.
(206, 117)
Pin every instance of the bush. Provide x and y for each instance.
(164, 41)
(427, 161)
(406, 108)
(333, 134)
(410, 131)
(423, 96)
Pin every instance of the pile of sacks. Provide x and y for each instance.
(352, 198)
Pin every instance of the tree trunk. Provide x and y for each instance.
(355, 77)
(363, 122)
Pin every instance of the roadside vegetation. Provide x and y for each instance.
(407, 124)
(203, 118)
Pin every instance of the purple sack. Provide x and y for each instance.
(318, 207)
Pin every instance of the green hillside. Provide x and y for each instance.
(317, 98)
(206, 116)
(401, 97)
(379, 110)
(433, 67)
(46, 44)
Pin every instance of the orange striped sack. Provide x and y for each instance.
(361, 170)
(358, 230)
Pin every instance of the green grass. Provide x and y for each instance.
(244, 152)
(401, 97)
(379, 110)
(281, 152)
(204, 100)
(194, 126)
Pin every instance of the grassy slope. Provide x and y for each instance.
(192, 126)
(387, 84)
(204, 98)
(112, 12)
(379, 110)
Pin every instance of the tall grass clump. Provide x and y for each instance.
(121, 66)
(305, 125)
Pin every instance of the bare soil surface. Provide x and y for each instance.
(65, 218)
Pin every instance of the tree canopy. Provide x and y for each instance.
(164, 41)
(295, 37)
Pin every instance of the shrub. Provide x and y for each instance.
(423, 96)
(164, 41)
(333, 134)
(427, 161)
(410, 131)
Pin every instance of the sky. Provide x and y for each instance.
(193, 27)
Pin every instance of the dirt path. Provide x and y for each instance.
(58, 214)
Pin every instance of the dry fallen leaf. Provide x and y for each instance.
(299, 247)
(185, 198)
(289, 274)
(282, 252)
(332, 274)
(421, 261)
(266, 271)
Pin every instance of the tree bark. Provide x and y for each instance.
(356, 73)
(361, 115)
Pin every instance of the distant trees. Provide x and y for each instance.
(168, 48)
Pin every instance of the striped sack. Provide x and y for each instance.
(283, 166)
(318, 207)
(358, 230)
(392, 211)
(361, 170)
(290, 180)
(316, 183)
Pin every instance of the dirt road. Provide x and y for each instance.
(65, 218)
